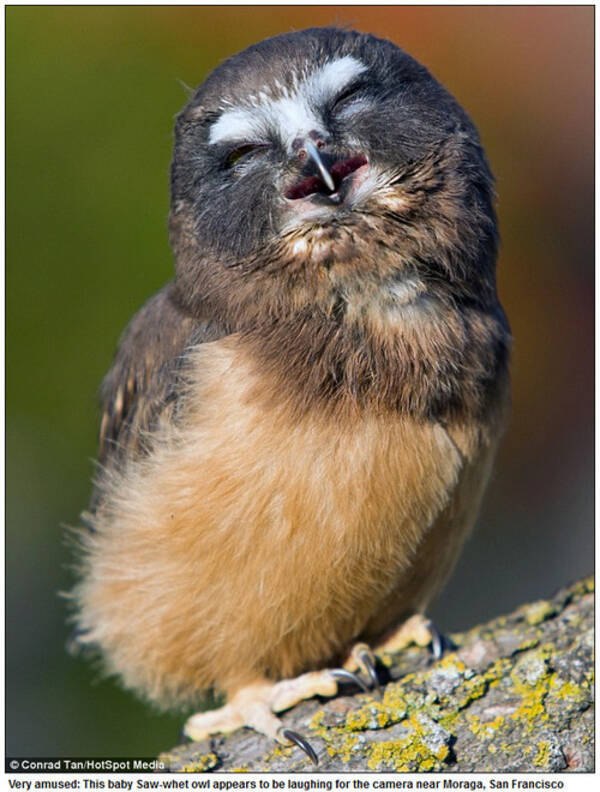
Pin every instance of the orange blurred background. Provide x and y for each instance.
(91, 96)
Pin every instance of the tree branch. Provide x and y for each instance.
(516, 695)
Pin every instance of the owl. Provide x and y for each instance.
(297, 430)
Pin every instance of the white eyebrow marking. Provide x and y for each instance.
(332, 77)
(292, 115)
(236, 124)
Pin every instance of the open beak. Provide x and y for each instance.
(313, 153)
(328, 183)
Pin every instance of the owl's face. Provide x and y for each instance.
(304, 149)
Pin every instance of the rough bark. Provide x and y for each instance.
(516, 695)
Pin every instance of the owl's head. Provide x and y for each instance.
(323, 164)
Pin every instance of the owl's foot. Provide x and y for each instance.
(255, 706)
(417, 630)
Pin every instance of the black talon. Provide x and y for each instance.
(365, 659)
(303, 744)
(348, 676)
(438, 642)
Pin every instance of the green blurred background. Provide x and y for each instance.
(91, 95)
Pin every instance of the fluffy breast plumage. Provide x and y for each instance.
(258, 542)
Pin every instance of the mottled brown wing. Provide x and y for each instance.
(144, 382)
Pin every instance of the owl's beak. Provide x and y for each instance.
(313, 153)
(331, 173)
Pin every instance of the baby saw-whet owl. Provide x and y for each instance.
(298, 429)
